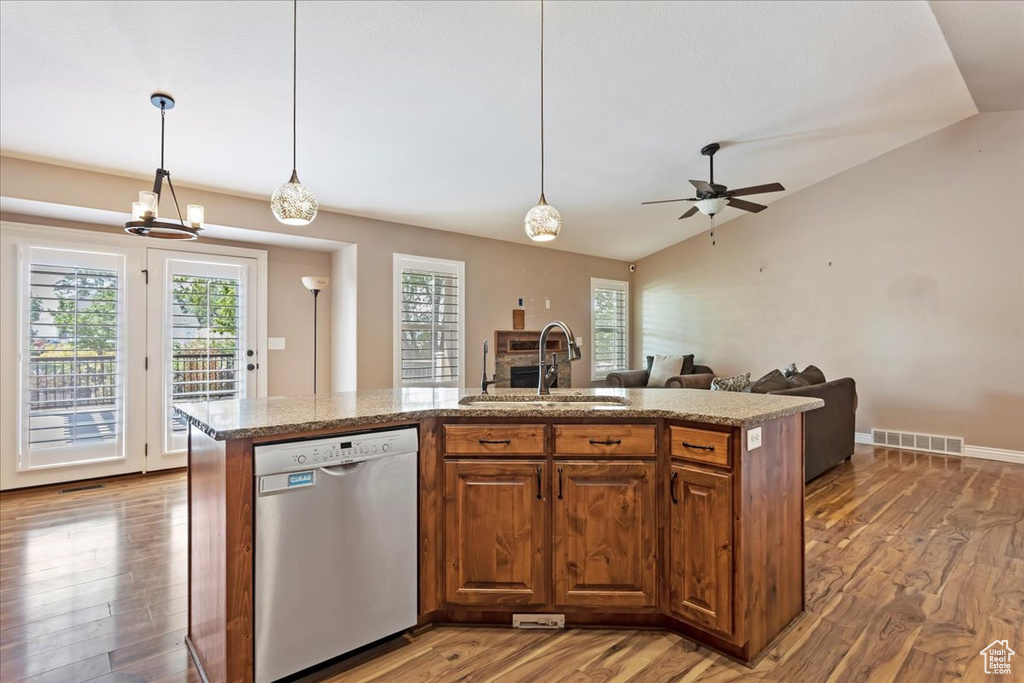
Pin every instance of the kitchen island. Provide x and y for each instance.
(678, 509)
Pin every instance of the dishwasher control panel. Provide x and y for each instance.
(337, 450)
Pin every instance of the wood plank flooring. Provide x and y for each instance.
(914, 564)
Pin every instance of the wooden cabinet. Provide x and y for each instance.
(700, 445)
(604, 547)
(613, 439)
(701, 548)
(470, 439)
(495, 521)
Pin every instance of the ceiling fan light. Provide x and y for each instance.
(543, 222)
(710, 207)
(293, 203)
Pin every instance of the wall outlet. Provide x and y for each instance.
(275, 343)
(753, 438)
(538, 621)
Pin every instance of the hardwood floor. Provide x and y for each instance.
(914, 564)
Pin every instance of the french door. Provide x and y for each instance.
(202, 314)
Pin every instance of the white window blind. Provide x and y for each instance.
(205, 351)
(610, 323)
(429, 322)
(73, 374)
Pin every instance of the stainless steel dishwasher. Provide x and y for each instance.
(336, 538)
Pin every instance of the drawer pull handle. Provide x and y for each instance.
(559, 483)
(699, 448)
(539, 496)
(672, 488)
(605, 442)
(496, 441)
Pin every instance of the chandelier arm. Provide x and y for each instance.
(175, 198)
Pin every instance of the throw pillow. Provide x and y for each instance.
(797, 381)
(687, 365)
(737, 383)
(789, 370)
(813, 375)
(664, 367)
(773, 381)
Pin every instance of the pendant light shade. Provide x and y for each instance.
(543, 222)
(292, 202)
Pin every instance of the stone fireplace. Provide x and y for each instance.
(520, 349)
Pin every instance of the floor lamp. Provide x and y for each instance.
(315, 283)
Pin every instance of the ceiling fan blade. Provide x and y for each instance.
(747, 206)
(702, 186)
(693, 210)
(665, 201)
(756, 189)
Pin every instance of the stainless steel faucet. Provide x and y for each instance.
(484, 382)
(548, 377)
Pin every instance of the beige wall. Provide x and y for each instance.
(905, 273)
(497, 272)
(289, 310)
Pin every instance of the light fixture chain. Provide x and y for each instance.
(295, 71)
(542, 98)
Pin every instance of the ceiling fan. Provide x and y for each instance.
(712, 197)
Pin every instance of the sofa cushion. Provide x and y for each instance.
(687, 369)
(736, 383)
(663, 367)
(808, 376)
(694, 381)
(773, 381)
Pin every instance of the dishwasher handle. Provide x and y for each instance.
(343, 470)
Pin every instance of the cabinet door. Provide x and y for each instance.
(495, 519)
(701, 548)
(605, 534)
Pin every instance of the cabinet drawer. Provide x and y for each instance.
(494, 439)
(701, 445)
(620, 439)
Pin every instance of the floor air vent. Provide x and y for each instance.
(929, 443)
(83, 487)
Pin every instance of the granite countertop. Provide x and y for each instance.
(283, 415)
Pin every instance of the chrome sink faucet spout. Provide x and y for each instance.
(548, 377)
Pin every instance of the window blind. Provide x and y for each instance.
(430, 343)
(73, 360)
(611, 327)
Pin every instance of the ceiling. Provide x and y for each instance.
(987, 40)
(427, 112)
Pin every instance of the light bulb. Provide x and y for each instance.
(195, 215)
(543, 222)
(293, 203)
(150, 203)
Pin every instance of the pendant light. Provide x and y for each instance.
(145, 220)
(543, 222)
(293, 203)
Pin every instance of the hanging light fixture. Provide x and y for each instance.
(543, 222)
(294, 203)
(145, 220)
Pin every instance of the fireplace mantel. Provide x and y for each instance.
(516, 348)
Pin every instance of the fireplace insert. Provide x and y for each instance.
(526, 376)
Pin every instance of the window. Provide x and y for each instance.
(610, 322)
(73, 370)
(429, 313)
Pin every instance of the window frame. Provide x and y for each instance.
(413, 262)
(597, 283)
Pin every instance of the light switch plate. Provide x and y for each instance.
(275, 343)
(753, 438)
(547, 304)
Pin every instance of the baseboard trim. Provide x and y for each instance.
(983, 452)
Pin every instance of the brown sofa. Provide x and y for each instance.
(828, 431)
(637, 379)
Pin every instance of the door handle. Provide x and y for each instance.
(672, 488)
(559, 483)
(539, 495)
(496, 441)
(605, 442)
(699, 448)
(342, 470)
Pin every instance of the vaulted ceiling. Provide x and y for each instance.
(427, 112)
